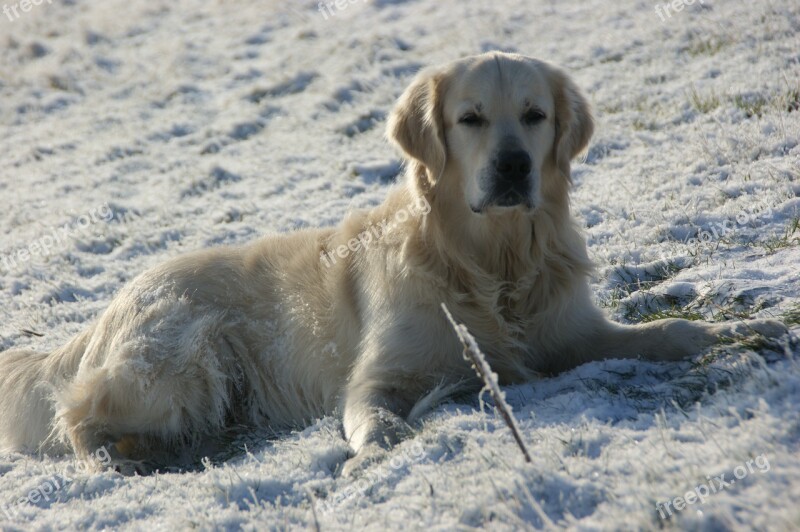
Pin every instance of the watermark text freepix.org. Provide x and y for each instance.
(13, 11)
(411, 455)
(721, 229)
(56, 239)
(57, 481)
(674, 5)
(715, 485)
(705, 237)
(327, 7)
(375, 232)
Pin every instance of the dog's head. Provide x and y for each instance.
(505, 126)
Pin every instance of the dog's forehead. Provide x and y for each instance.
(500, 81)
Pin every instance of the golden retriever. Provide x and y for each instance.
(293, 327)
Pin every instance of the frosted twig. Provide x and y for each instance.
(474, 355)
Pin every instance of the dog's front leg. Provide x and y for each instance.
(373, 416)
(671, 339)
(374, 412)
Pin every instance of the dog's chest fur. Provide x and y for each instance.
(508, 294)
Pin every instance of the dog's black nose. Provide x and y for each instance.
(514, 165)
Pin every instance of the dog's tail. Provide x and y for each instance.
(28, 382)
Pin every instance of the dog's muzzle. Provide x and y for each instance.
(511, 181)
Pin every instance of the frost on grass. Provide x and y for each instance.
(217, 122)
(481, 366)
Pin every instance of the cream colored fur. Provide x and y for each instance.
(269, 334)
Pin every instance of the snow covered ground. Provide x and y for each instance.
(133, 131)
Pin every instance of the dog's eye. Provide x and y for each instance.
(533, 116)
(472, 119)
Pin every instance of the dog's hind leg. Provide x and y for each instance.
(103, 410)
(143, 416)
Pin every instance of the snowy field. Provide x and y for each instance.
(133, 131)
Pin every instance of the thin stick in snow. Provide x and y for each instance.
(474, 355)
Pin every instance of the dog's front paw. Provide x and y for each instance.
(764, 327)
(363, 460)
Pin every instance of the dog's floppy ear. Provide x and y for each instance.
(416, 125)
(574, 122)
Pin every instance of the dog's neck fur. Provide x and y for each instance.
(498, 269)
(506, 245)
